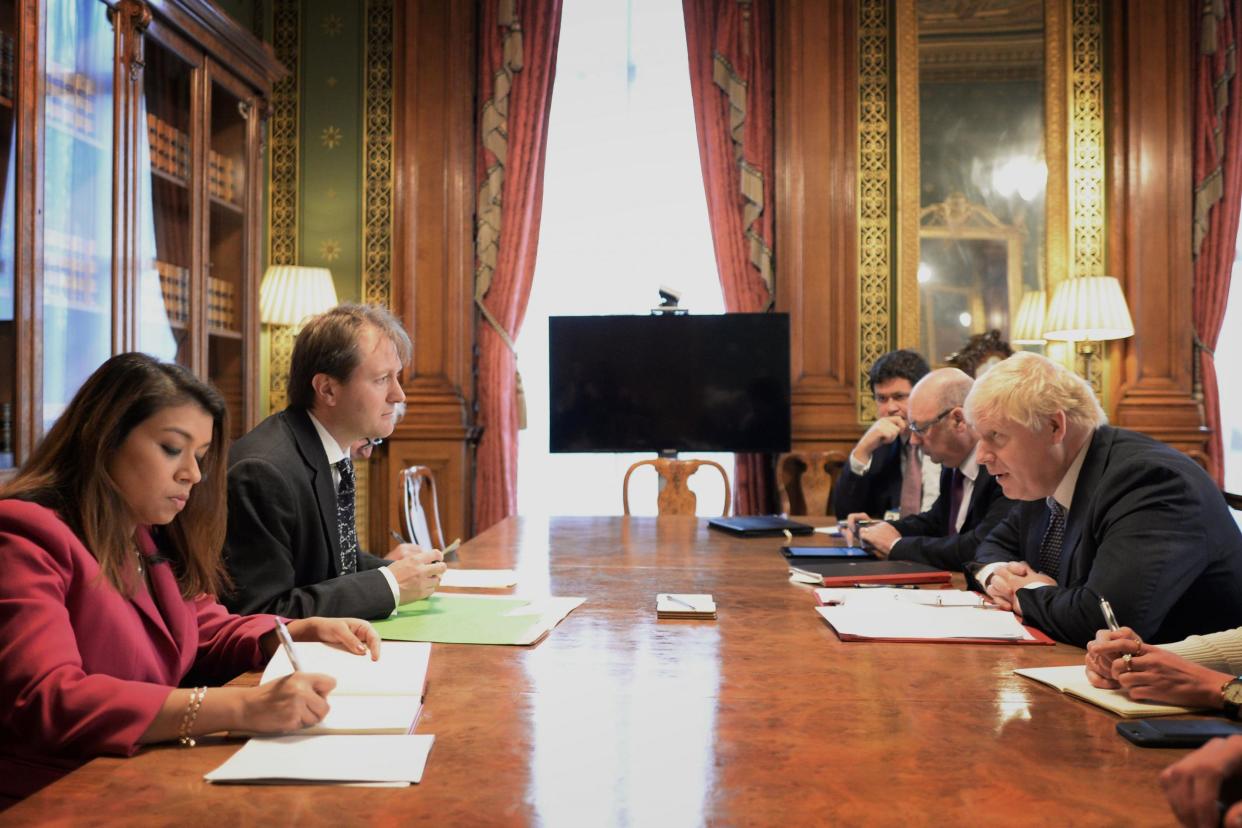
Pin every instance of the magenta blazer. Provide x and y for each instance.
(83, 669)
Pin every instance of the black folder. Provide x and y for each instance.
(757, 526)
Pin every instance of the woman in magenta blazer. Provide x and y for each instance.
(110, 540)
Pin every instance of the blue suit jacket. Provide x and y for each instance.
(925, 537)
(875, 492)
(1148, 530)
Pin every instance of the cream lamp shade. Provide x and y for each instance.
(1028, 327)
(289, 294)
(1088, 309)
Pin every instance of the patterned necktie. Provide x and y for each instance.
(345, 526)
(957, 488)
(911, 482)
(1050, 547)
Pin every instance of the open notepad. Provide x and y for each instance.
(383, 696)
(1072, 680)
(384, 760)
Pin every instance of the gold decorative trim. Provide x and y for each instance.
(874, 194)
(1056, 148)
(283, 186)
(909, 176)
(1086, 139)
(378, 155)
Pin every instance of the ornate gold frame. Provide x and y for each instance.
(1074, 149)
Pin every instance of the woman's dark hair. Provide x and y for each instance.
(68, 471)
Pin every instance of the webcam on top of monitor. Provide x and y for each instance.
(669, 299)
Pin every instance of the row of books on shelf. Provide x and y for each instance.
(221, 304)
(70, 99)
(69, 276)
(170, 148)
(175, 293)
(170, 154)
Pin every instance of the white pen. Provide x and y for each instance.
(677, 600)
(1111, 620)
(286, 640)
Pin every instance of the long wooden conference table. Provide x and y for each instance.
(761, 717)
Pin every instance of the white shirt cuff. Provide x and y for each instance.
(983, 574)
(1035, 585)
(392, 584)
(859, 468)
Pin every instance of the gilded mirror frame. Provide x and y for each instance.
(888, 170)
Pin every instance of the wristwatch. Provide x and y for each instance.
(1231, 697)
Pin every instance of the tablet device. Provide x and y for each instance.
(1176, 733)
(825, 552)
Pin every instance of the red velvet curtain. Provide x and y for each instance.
(1218, 194)
(731, 66)
(517, 66)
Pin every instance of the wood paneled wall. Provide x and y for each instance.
(433, 256)
(1148, 76)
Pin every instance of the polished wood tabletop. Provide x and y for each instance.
(761, 717)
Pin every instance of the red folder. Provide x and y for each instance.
(837, 572)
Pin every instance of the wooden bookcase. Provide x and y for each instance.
(131, 202)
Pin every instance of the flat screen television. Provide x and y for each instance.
(669, 383)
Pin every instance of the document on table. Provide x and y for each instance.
(478, 578)
(1072, 680)
(903, 615)
(476, 619)
(327, 760)
(383, 696)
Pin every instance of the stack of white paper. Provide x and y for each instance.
(328, 759)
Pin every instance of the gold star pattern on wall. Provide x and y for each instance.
(331, 193)
(333, 25)
(331, 81)
(330, 250)
(331, 137)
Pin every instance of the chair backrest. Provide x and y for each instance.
(676, 497)
(421, 509)
(806, 480)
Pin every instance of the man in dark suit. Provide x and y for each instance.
(971, 502)
(886, 473)
(292, 547)
(1109, 514)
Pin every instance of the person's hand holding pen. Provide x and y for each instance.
(852, 525)
(418, 573)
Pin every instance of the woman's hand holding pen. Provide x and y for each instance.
(291, 703)
(1107, 649)
(1153, 674)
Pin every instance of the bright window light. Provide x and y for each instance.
(623, 212)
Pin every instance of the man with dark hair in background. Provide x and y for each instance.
(886, 473)
(292, 546)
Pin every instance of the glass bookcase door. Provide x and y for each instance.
(227, 249)
(77, 197)
(8, 235)
(165, 213)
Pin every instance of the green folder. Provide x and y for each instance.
(459, 619)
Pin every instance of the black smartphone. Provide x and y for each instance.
(1176, 733)
(825, 552)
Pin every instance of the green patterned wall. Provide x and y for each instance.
(332, 120)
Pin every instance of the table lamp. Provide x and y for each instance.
(1028, 325)
(1088, 309)
(289, 294)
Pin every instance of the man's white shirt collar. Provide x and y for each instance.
(1065, 489)
(330, 446)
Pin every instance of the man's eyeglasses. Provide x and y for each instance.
(922, 429)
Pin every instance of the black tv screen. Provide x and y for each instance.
(669, 383)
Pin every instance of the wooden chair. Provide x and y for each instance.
(806, 480)
(421, 510)
(676, 497)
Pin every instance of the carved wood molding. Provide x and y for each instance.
(1150, 208)
(434, 76)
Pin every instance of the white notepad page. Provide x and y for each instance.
(342, 759)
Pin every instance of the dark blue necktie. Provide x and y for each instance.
(1050, 547)
(345, 526)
